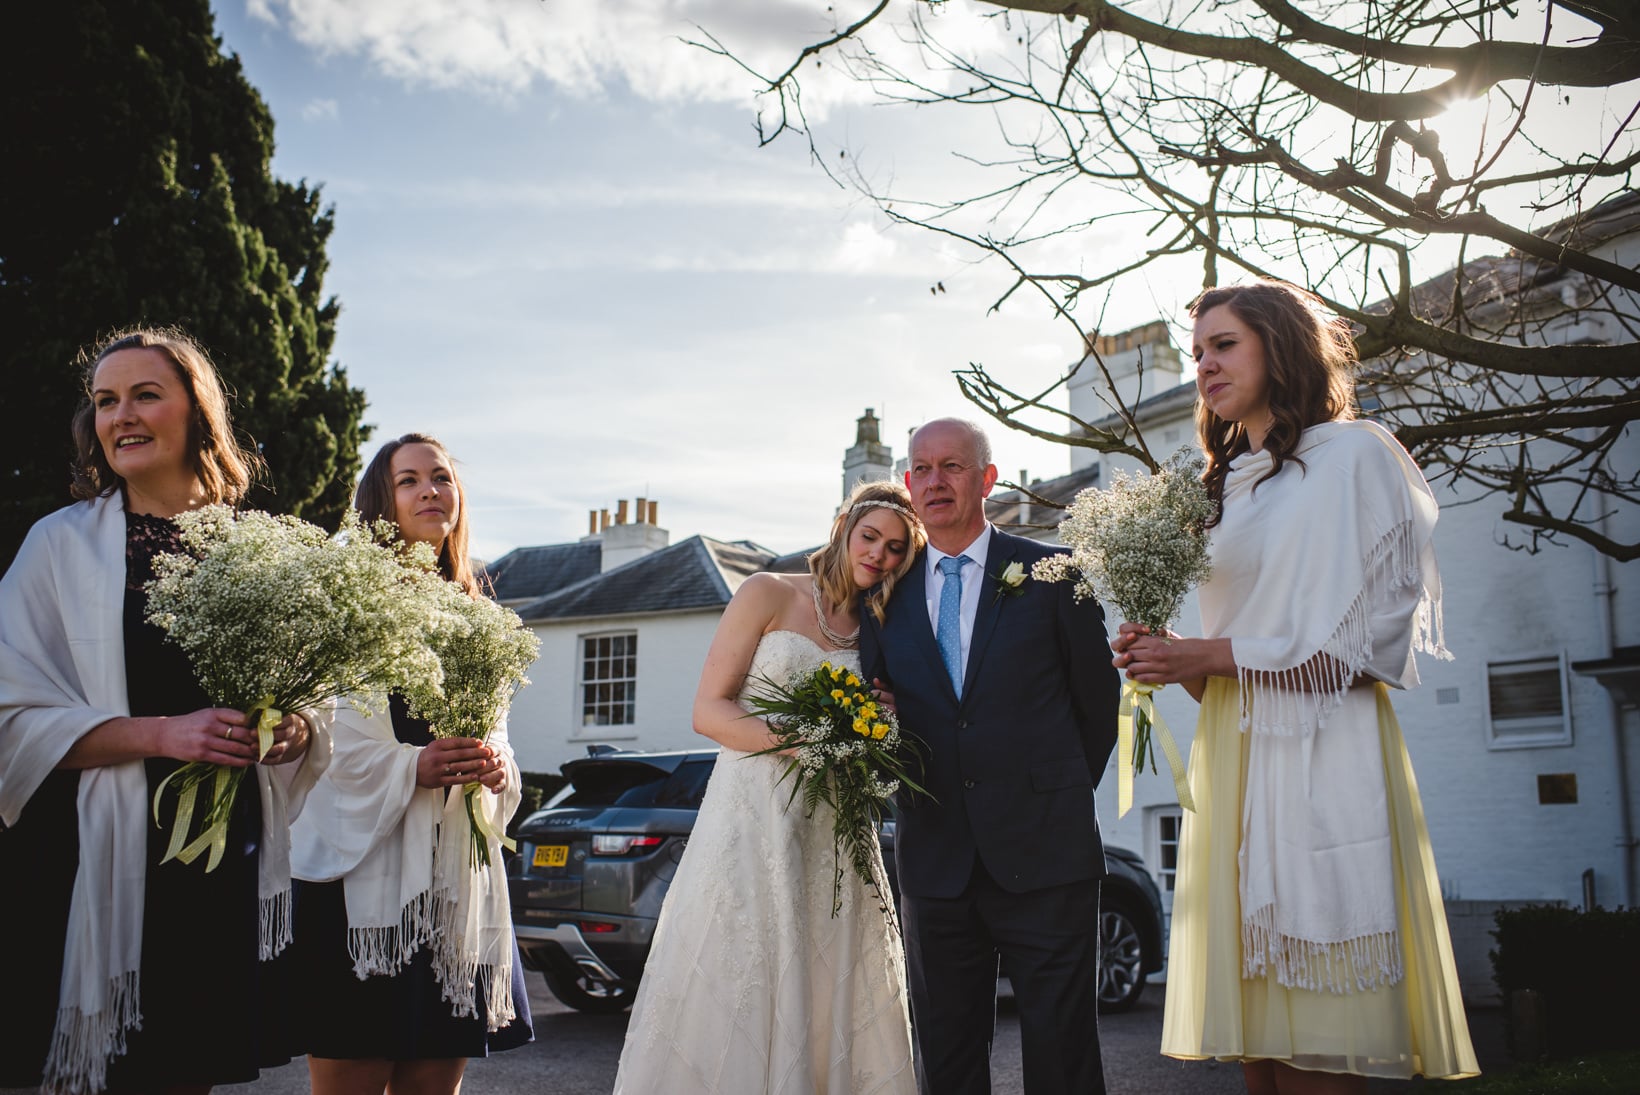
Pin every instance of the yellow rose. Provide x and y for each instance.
(860, 727)
(847, 702)
(853, 681)
(836, 693)
(869, 710)
(836, 674)
(880, 731)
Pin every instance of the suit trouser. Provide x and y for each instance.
(1048, 944)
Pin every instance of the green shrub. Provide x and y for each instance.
(1585, 966)
(537, 788)
(1609, 1074)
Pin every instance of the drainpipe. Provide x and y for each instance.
(1605, 615)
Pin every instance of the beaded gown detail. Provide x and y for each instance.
(752, 986)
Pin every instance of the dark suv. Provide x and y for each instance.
(595, 863)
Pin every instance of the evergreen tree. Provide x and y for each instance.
(140, 193)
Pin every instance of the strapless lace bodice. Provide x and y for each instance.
(781, 655)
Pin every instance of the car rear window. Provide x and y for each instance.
(687, 786)
(639, 785)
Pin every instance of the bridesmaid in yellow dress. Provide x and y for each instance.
(1309, 940)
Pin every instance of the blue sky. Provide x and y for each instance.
(559, 248)
(591, 293)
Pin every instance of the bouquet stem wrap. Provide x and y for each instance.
(483, 829)
(220, 796)
(1139, 730)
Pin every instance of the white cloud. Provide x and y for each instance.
(321, 110)
(505, 47)
(693, 188)
(863, 247)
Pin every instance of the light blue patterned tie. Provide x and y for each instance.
(949, 632)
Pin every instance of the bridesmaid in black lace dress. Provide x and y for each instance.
(135, 975)
(376, 1016)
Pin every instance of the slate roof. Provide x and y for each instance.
(1005, 509)
(1494, 279)
(534, 572)
(697, 573)
(795, 563)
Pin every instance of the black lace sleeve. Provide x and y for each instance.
(145, 537)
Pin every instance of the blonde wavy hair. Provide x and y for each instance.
(829, 565)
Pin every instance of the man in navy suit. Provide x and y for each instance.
(1011, 693)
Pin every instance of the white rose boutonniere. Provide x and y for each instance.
(1012, 580)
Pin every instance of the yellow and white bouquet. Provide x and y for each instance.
(845, 749)
(276, 615)
(483, 651)
(1141, 545)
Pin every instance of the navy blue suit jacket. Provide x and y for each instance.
(1012, 766)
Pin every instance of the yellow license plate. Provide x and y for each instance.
(552, 855)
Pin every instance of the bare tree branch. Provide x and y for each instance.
(1307, 141)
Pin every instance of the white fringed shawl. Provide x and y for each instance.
(401, 852)
(1322, 575)
(62, 674)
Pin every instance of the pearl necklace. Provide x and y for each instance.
(842, 642)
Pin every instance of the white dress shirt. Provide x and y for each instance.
(973, 583)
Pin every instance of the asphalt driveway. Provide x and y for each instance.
(576, 1054)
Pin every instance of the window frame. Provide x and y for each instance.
(609, 729)
(1154, 845)
(1550, 733)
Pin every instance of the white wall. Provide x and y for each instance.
(545, 724)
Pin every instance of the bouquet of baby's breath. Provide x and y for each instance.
(484, 651)
(1141, 545)
(275, 616)
(846, 751)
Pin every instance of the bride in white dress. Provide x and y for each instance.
(753, 987)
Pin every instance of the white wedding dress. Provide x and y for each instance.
(752, 986)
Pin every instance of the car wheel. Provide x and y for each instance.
(1121, 960)
(583, 993)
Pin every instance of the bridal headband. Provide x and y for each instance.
(885, 504)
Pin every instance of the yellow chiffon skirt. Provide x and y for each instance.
(1414, 1027)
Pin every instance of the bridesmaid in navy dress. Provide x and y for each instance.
(376, 1016)
(153, 440)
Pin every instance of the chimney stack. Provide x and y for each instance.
(868, 459)
(622, 541)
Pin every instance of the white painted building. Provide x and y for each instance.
(624, 617)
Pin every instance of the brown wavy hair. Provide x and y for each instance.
(1309, 359)
(224, 466)
(374, 501)
(829, 565)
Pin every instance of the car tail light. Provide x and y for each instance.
(624, 844)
